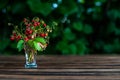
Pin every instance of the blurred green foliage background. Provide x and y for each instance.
(84, 26)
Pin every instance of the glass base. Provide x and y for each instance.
(30, 66)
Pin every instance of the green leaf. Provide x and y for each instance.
(116, 44)
(37, 46)
(38, 7)
(108, 48)
(81, 1)
(78, 26)
(100, 0)
(3, 3)
(20, 45)
(68, 34)
(72, 49)
(117, 31)
(40, 39)
(81, 46)
(111, 27)
(18, 8)
(4, 43)
(113, 14)
(30, 43)
(63, 47)
(68, 8)
(99, 44)
(87, 29)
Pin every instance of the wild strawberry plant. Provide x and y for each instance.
(34, 33)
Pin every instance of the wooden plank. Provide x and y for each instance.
(32, 77)
(62, 72)
(61, 62)
(61, 68)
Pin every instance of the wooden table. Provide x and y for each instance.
(61, 68)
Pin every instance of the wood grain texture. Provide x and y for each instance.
(94, 67)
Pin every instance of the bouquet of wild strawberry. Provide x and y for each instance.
(32, 36)
(34, 33)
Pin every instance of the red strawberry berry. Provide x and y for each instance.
(44, 25)
(33, 20)
(35, 24)
(42, 35)
(26, 32)
(12, 38)
(28, 25)
(18, 37)
(27, 29)
(38, 23)
(30, 31)
(29, 37)
(26, 39)
(14, 34)
(46, 34)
